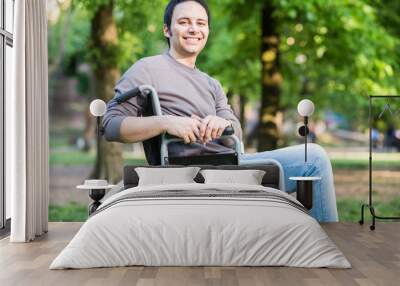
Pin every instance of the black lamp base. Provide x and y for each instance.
(304, 193)
(96, 195)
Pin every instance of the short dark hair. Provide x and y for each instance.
(169, 10)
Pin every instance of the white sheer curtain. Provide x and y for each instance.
(27, 124)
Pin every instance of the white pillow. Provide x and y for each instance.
(166, 176)
(249, 177)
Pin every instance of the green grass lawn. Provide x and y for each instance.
(64, 137)
(349, 210)
(69, 212)
(71, 158)
(78, 158)
(362, 164)
(359, 160)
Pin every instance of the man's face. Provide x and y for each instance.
(189, 29)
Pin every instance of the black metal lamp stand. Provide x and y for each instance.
(304, 131)
(96, 195)
(99, 133)
(304, 191)
(370, 205)
(97, 109)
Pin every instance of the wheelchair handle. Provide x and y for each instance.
(228, 131)
(127, 95)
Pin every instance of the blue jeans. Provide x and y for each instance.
(318, 164)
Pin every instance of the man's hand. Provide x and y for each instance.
(186, 128)
(211, 127)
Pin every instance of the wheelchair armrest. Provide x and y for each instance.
(228, 131)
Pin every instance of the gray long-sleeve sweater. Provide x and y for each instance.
(182, 91)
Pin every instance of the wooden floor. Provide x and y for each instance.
(374, 255)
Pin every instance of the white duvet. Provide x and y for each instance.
(223, 224)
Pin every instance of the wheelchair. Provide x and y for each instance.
(156, 148)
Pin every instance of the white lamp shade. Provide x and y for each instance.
(305, 107)
(98, 107)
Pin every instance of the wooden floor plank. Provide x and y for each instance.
(374, 255)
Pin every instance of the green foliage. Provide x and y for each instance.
(108, 57)
(139, 26)
(232, 53)
(83, 83)
(72, 29)
(348, 54)
(336, 52)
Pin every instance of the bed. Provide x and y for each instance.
(201, 224)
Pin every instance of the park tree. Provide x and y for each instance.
(271, 79)
(248, 60)
(86, 32)
(114, 43)
(333, 52)
(104, 57)
(231, 56)
(110, 36)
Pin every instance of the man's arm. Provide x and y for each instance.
(131, 129)
(116, 113)
(123, 123)
(137, 129)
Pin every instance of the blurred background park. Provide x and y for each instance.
(268, 55)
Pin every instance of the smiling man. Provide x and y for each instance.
(195, 108)
(193, 104)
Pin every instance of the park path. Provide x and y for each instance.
(63, 182)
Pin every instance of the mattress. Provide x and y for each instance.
(201, 225)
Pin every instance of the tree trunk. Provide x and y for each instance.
(89, 130)
(104, 46)
(268, 133)
(90, 122)
(243, 103)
